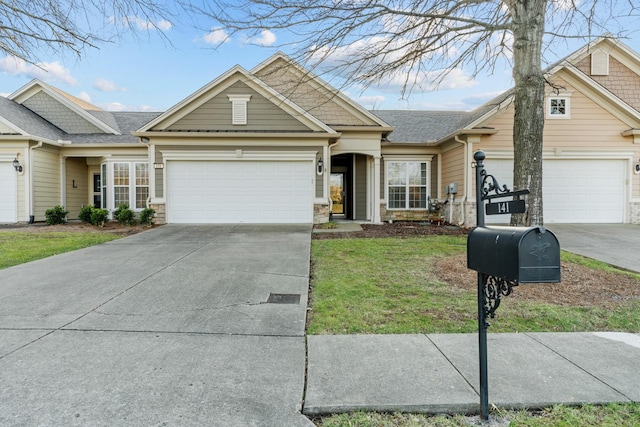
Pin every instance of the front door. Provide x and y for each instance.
(337, 192)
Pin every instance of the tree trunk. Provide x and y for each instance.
(528, 124)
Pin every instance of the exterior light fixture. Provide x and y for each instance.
(320, 169)
(17, 166)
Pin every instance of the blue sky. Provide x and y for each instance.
(144, 72)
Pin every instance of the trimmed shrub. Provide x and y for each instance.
(99, 216)
(56, 215)
(124, 215)
(146, 216)
(85, 213)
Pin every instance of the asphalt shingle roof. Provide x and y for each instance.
(28, 121)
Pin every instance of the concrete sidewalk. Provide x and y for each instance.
(438, 373)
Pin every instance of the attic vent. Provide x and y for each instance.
(599, 63)
(239, 108)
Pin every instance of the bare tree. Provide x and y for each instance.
(30, 29)
(420, 41)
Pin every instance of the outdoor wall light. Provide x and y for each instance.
(17, 165)
(320, 167)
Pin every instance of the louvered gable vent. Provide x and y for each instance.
(599, 63)
(239, 108)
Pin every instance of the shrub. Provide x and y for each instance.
(146, 216)
(85, 213)
(124, 215)
(99, 216)
(56, 215)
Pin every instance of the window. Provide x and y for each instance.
(120, 184)
(103, 183)
(127, 181)
(142, 185)
(239, 108)
(406, 185)
(558, 107)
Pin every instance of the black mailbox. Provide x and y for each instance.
(521, 254)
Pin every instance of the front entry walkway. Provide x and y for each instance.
(179, 325)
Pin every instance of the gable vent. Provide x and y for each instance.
(599, 63)
(239, 108)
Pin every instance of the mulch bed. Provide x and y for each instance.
(397, 229)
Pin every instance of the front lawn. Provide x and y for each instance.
(390, 285)
(17, 247)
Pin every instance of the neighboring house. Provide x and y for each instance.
(279, 145)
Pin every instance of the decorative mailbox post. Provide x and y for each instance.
(504, 257)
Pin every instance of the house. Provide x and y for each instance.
(277, 144)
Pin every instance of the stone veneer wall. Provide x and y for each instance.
(634, 217)
(320, 213)
(160, 217)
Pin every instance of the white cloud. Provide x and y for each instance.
(45, 71)
(143, 24)
(216, 36)
(104, 85)
(85, 97)
(266, 38)
(4, 94)
(370, 102)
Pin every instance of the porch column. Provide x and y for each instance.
(376, 189)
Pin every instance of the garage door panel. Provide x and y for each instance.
(239, 191)
(8, 193)
(574, 191)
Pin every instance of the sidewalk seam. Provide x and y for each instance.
(578, 366)
(453, 365)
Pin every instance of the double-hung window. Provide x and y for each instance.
(125, 183)
(142, 185)
(407, 185)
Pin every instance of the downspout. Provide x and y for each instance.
(30, 178)
(466, 177)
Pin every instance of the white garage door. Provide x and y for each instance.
(200, 192)
(8, 193)
(573, 191)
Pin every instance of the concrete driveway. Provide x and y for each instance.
(615, 244)
(179, 325)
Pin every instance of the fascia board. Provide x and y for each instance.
(31, 88)
(189, 103)
(622, 110)
(218, 85)
(13, 127)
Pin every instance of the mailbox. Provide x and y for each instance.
(520, 254)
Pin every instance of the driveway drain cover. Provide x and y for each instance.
(283, 299)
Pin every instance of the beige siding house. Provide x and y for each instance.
(277, 144)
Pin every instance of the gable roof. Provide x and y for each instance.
(216, 86)
(272, 72)
(90, 113)
(25, 122)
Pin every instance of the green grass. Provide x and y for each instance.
(379, 286)
(20, 247)
(613, 415)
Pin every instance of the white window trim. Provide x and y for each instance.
(108, 183)
(389, 159)
(567, 106)
(239, 108)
